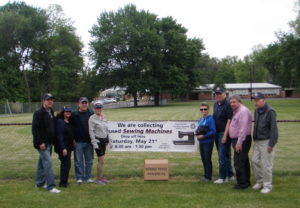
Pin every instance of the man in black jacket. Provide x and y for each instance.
(265, 137)
(83, 153)
(43, 130)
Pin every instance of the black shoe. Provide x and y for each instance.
(64, 185)
(239, 187)
(205, 179)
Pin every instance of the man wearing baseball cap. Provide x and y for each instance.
(265, 137)
(83, 154)
(43, 131)
(222, 116)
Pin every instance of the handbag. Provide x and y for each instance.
(202, 130)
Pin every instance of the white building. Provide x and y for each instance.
(205, 92)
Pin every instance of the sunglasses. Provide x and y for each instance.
(203, 109)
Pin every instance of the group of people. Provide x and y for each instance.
(84, 131)
(231, 125)
(80, 131)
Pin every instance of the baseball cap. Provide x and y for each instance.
(83, 99)
(258, 95)
(219, 90)
(66, 109)
(47, 96)
(98, 105)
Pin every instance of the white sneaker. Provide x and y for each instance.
(232, 178)
(44, 186)
(257, 186)
(219, 181)
(79, 181)
(90, 180)
(54, 190)
(265, 190)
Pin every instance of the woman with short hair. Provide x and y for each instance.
(205, 134)
(98, 129)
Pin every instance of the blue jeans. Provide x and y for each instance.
(224, 154)
(44, 171)
(83, 156)
(205, 153)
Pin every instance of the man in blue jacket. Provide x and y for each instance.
(43, 131)
(83, 148)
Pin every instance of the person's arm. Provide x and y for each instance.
(224, 139)
(199, 136)
(60, 128)
(273, 131)
(212, 128)
(243, 127)
(229, 114)
(92, 133)
(36, 126)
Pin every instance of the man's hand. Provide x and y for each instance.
(42, 146)
(269, 149)
(74, 143)
(238, 148)
(65, 152)
(224, 139)
(200, 136)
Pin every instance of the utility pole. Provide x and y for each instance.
(251, 78)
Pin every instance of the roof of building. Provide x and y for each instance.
(241, 86)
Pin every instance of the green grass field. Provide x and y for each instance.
(127, 189)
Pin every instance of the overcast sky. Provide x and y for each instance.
(227, 27)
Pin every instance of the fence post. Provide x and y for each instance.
(8, 106)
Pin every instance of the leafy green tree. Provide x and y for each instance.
(123, 43)
(21, 27)
(40, 51)
(58, 60)
(225, 73)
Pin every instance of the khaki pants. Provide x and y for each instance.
(262, 163)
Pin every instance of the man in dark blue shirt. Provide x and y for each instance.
(222, 116)
(83, 153)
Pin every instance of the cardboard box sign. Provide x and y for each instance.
(156, 170)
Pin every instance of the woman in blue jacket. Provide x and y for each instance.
(65, 137)
(205, 134)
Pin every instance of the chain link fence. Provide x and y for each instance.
(18, 108)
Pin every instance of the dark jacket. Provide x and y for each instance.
(65, 136)
(43, 127)
(222, 113)
(265, 125)
(81, 133)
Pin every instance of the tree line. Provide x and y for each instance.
(40, 52)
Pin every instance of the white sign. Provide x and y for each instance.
(152, 136)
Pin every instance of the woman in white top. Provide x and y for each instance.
(98, 130)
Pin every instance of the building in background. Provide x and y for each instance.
(205, 92)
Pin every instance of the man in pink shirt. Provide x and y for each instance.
(240, 132)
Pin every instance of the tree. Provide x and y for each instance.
(175, 71)
(40, 51)
(225, 73)
(58, 60)
(136, 50)
(21, 26)
(122, 44)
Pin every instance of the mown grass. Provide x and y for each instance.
(18, 163)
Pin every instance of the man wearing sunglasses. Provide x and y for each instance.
(222, 116)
